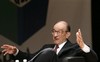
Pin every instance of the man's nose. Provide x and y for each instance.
(55, 34)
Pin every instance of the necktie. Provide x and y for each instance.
(56, 47)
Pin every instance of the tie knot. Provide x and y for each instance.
(56, 47)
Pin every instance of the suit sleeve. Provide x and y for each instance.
(24, 55)
(91, 56)
(21, 55)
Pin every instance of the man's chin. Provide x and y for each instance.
(56, 42)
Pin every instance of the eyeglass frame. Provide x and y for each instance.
(58, 32)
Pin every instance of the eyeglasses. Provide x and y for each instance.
(58, 32)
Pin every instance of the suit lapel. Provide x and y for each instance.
(66, 47)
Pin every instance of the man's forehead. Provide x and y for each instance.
(60, 25)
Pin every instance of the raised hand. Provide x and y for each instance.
(8, 49)
(79, 39)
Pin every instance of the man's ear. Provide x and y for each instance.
(68, 35)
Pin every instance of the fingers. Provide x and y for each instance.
(79, 38)
(8, 49)
(5, 46)
(4, 51)
(79, 35)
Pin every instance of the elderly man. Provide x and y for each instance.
(61, 33)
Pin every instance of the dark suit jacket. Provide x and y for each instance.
(68, 50)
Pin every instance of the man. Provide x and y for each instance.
(61, 33)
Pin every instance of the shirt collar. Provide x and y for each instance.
(62, 44)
